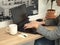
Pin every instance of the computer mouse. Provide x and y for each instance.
(39, 20)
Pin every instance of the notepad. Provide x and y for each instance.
(23, 35)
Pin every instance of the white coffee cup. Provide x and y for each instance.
(13, 29)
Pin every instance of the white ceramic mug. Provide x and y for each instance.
(13, 29)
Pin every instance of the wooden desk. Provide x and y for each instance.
(7, 39)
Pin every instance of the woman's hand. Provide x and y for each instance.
(32, 24)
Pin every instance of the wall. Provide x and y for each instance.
(5, 23)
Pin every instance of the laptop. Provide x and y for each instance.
(20, 17)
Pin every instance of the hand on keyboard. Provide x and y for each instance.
(32, 24)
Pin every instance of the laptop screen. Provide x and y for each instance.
(19, 13)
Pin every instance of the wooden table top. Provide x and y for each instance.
(7, 39)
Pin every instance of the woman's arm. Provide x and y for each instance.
(50, 34)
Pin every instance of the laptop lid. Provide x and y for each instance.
(19, 14)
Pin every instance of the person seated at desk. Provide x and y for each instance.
(49, 35)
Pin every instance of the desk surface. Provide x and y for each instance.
(7, 39)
